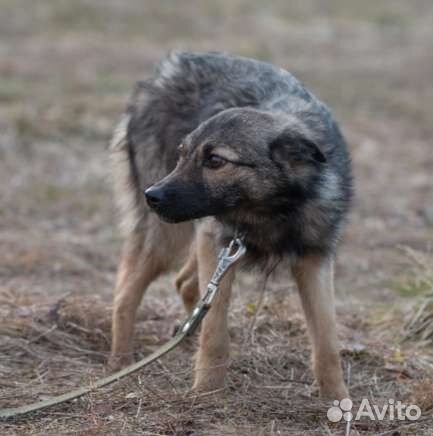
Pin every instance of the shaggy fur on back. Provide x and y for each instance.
(309, 184)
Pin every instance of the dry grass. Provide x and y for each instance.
(66, 69)
(419, 322)
(53, 345)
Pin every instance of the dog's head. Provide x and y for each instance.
(240, 160)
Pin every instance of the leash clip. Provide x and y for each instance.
(227, 257)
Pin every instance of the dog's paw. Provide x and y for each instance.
(207, 388)
(334, 392)
(212, 382)
(116, 362)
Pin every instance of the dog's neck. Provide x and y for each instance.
(261, 233)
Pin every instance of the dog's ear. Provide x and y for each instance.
(293, 146)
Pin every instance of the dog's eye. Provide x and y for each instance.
(213, 161)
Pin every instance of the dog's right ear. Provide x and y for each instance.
(292, 146)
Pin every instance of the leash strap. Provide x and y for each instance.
(226, 259)
(76, 393)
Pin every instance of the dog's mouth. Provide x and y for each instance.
(173, 218)
(175, 215)
(171, 208)
(178, 209)
(179, 202)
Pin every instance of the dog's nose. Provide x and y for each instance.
(154, 196)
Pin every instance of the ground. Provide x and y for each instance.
(66, 69)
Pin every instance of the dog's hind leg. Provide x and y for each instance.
(213, 354)
(314, 277)
(187, 280)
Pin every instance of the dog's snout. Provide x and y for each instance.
(154, 196)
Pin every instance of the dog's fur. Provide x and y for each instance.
(235, 145)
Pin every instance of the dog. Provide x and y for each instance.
(217, 144)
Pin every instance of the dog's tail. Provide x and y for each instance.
(128, 200)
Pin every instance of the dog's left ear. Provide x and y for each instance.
(293, 146)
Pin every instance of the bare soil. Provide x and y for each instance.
(66, 69)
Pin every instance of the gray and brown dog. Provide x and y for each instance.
(213, 144)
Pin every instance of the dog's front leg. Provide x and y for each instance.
(213, 354)
(314, 277)
(139, 266)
